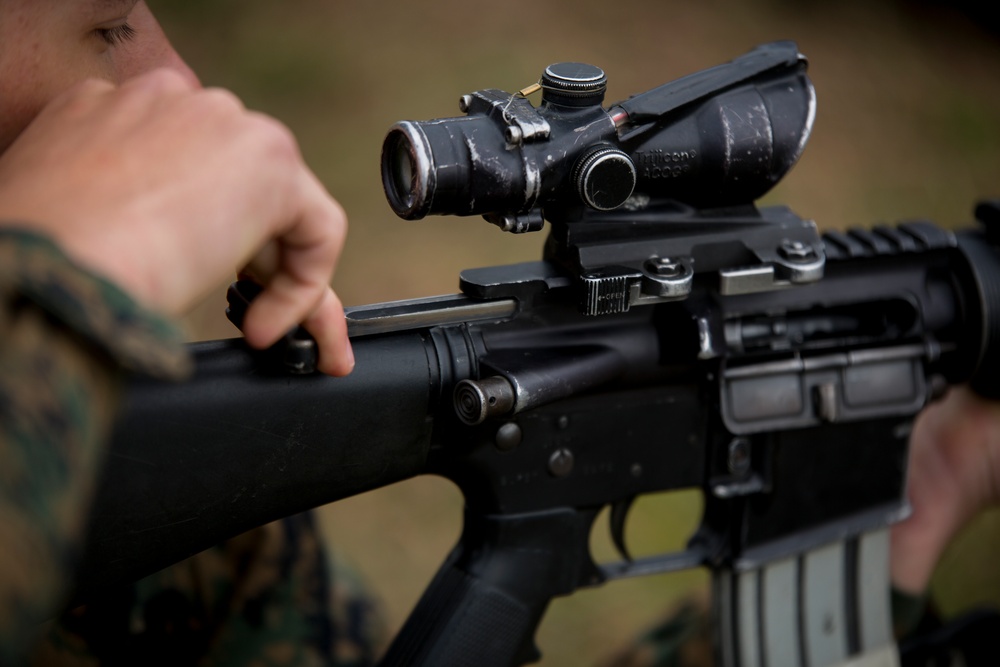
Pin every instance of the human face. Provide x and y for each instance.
(46, 46)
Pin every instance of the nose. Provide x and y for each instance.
(151, 49)
(173, 60)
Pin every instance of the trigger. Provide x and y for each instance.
(619, 512)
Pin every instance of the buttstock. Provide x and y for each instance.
(235, 447)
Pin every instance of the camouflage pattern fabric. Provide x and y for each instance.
(86, 308)
(66, 337)
(269, 597)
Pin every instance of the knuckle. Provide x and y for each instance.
(332, 220)
(277, 139)
(222, 101)
(162, 80)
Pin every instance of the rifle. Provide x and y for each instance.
(674, 336)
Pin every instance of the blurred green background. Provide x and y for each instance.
(908, 125)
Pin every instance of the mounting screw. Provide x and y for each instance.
(739, 456)
(508, 437)
(513, 135)
(664, 267)
(667, 277)
(561, 462)
(796, 251)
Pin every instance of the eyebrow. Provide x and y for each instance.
(107, 5)
(104, 10)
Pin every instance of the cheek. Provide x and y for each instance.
(10, 126)
(37, 75)
(23, 95)
(19, 100)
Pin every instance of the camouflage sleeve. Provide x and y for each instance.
(272, 597)
(66, 337)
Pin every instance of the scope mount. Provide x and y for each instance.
(620, 259)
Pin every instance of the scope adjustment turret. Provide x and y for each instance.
(605, 178)
(573, 85)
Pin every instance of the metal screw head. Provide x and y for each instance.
(508, 437)
(664, 266)
(796, 251)
(667, 277)
(561, 462)
(513, 135)
(738, 461)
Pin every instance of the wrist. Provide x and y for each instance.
(98, 311)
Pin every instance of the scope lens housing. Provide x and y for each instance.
(407, 172)
(453, 166)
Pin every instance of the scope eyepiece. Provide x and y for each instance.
(407, 171)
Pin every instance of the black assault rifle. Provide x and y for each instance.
(674, 337)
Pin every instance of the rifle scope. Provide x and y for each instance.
(718, 138)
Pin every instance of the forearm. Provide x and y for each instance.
(65, 339)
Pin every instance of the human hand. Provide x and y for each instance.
(166, 188)
(954, 473)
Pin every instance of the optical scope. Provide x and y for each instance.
(719, 138)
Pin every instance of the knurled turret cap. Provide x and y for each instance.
(573, 85)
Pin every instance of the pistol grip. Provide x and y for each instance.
(485, 603)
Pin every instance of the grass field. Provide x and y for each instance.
(908, 125)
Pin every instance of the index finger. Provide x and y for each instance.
(299, 292)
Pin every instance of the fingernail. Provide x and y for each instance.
(349, 352)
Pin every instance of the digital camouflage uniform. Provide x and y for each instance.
(268, 597)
